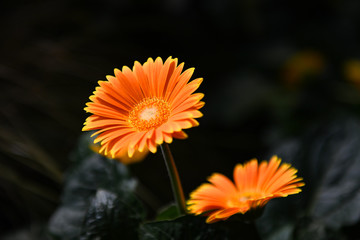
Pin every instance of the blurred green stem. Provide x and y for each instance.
(174, 178)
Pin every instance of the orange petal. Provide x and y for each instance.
(167, 138)
(174, 79)
(142, 79)
(240, 177)
(112, 134)
(159, 138)
(223, 183)
(251, 169)
(183, 80)
(105, 112)
(185, 92)
(170, 73)
(226, 213)
(180, 135)
(122, 94)
(164, 71)
(102, 123)
(132, 79)
(151, 145)
(132, 92)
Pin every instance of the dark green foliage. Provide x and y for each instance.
(99, 203)
(98, 199)
(195, 228)
(112, 217)
(328, 157)
(168, 213)
(187, 227)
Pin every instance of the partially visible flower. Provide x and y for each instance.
(138, 109)
(301, 65)
(123, 155)
(352, 71)
(254, 186)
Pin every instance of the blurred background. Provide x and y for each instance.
(271, 69)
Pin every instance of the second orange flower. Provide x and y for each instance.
(141, 108)
(255, 185)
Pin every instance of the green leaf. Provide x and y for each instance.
(66, 222)
(168, 213)
(328, 158)
(112, 217)
(88, 184)
(93, 173)
(196, 228)
(186, 227)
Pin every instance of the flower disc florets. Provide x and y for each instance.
(149, 113)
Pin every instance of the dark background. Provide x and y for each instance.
(270, 69)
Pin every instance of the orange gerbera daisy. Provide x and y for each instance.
(254, 186)
(141, 108)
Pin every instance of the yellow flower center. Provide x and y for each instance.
(241, 199)
(250, 195)
(149, 113)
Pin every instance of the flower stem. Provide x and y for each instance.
(174, 178)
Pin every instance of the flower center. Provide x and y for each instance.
(250, 195)
(241, 199)
(149, 113)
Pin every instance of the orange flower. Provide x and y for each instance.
(254, 186)
(301, 65)
(352, 71)
(141, 108)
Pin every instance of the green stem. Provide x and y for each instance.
(174, 178)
